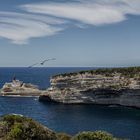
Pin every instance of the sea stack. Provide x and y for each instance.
(19, 88)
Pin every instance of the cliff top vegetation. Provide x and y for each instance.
(130, 72)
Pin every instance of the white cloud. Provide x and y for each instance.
(92, 12)
(19, 28)
(45, 19)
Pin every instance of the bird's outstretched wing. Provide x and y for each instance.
(47, 60)
(42, 62)
(33, 65)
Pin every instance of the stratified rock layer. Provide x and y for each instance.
(111, 86)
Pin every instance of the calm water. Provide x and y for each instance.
(121, 121)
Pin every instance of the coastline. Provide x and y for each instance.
(112, 86)
(116, 86)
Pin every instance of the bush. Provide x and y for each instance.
(15, 133)
(11, 119)
(63, 136)
(16, 127)
(22, 128)
(97, 135)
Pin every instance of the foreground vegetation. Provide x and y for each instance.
(17, 127)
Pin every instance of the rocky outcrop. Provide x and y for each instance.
(95, 87)
(18, 88)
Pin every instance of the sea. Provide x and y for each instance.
(123, 122)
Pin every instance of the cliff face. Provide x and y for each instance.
(95, 88)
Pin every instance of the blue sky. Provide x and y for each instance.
(76, 32)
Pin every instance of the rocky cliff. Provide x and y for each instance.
(120, 86)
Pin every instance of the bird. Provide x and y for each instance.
(33, 65)
(42, 62)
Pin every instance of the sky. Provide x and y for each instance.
(78, 33)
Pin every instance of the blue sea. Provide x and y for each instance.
(122, 122)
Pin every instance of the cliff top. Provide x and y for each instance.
(128, 72)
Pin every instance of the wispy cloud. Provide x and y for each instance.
(92, 12)
(19, 28)
(45, 19)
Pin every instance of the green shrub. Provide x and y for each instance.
(63, 136)
(22, 128)
(16, 127)
(16, 132)
(97, 135)
(11, 119)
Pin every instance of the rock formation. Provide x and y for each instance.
(17, 87)
(119, 86)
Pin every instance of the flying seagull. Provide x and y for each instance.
(42, 62)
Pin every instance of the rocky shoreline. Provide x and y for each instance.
(105, 87)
